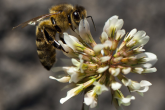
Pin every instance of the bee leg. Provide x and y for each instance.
(47, 36)
(61, 38)
(58, 46)
(53, 42)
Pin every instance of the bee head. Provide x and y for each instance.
(78, 13)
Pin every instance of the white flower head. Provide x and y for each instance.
(97, 67)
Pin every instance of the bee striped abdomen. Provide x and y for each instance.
(46, 51)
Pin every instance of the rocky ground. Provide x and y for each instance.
(24, 83)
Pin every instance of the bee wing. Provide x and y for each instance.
(33, 21)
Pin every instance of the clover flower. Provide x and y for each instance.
(96, 67)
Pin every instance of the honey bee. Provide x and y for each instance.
(61, 18)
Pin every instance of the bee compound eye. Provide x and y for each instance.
(53, 21)
(76, 15)
(58, 29)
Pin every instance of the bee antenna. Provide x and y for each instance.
(92, 21)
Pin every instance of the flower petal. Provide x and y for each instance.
(107, 23)
(142, 41)
(139, 35)
(102, 69)
(69, 52)
(115, 85)
(75, 77)
(84, 31)
(104, 37)
(119, 34)
(144, 83)
(138, 70)
(114, 71)
(97, 48)
(130, 35)
(75, 62)
(105, 58)
(90, 99)
(62, 100)
(139, 49)
(72, 41)
(126, 70)
(150, 59)
(107, 44)
(126, 82)
(149, 70)
(99, 88)
(134, 85)
(119, 24)
(70, 70)
(72, 93)
(121, 99)
(62, 80)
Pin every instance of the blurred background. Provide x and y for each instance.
(24, 83)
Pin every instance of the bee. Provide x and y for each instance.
(61, 18)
